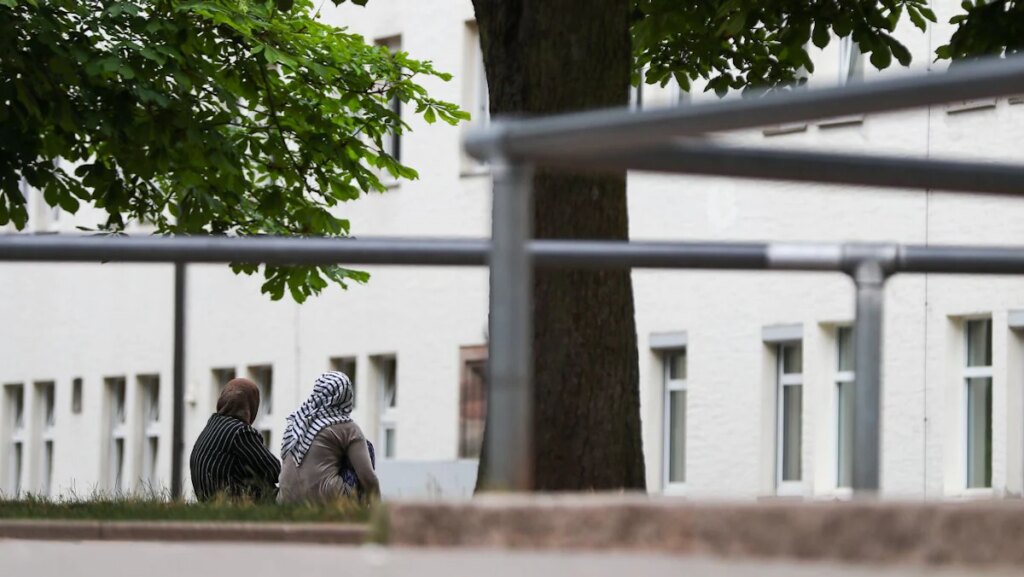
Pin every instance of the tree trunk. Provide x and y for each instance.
(545, 57)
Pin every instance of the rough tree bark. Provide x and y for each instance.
(545, 57)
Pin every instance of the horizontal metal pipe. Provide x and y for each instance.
(270, 250)
(610, 254)
(804, 166)
(474, 252)
(620, 130)
(960, 259)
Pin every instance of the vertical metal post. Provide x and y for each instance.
(178, 426)
(510, 394)
(869, 277)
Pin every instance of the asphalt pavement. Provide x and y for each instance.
(148, 559)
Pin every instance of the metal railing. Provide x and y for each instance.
(619, 140)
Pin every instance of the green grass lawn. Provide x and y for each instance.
(134, 509)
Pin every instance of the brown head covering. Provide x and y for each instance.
(240, 398)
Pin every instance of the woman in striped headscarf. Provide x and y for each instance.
(325, 455)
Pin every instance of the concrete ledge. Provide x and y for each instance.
(328, 533)
(977, 533)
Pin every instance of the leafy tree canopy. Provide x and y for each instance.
(757, 44)
(986, 27)
(207, 116)
(251, 117)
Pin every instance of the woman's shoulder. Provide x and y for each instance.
(346, 432)
(227, 423)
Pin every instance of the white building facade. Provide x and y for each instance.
(746, 378)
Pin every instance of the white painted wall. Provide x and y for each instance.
(94, 321)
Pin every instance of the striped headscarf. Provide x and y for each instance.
(330, 403)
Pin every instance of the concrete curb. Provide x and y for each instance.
(976, 533)
(325, 533)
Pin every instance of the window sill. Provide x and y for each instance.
(841, 121)
(784, 129)
(674, 490)
(790, 489)
(982, 494)
(836, 494)
(970, 106)
(475, 172)
(780, 498)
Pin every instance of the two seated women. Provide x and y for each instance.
(325, 454)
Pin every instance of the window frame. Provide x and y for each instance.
(471, 357)
(117, 427)
(76, 395)
(677, 96)
(476, 94)
(636, 93)
(783, 380)
(342, 364)
(841, 377)
(391, 143)
(387, 412)
(150, 427)
(264, 422)
(16, 438)
(46, 413)
(219, 377)
(669, 386)
(969, 373)
(851, 62)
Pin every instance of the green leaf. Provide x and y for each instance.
(881, 57)
(894, 17)
(917, 19)
(203, 116)
(821, 36)
(900, 52)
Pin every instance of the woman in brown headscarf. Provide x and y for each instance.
(229, 458)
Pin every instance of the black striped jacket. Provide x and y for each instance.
(229, 458)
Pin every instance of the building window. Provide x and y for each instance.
(46, 401)
(790, 415)
(116, 432)
(850, 71)
(674, 435)
(263, 376)
(678, 96)
(219, 377)
(392, 141)
(149, 389)
(46, 394)
(476, 94)
(978, 394)
(636, 94)
(851, 62)
(479, 103)
(47, 465)
(386, 368)
(14, 406)
(800, 80)
(76, 396)
(347, 365)
(844, 379)
(472, 400)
